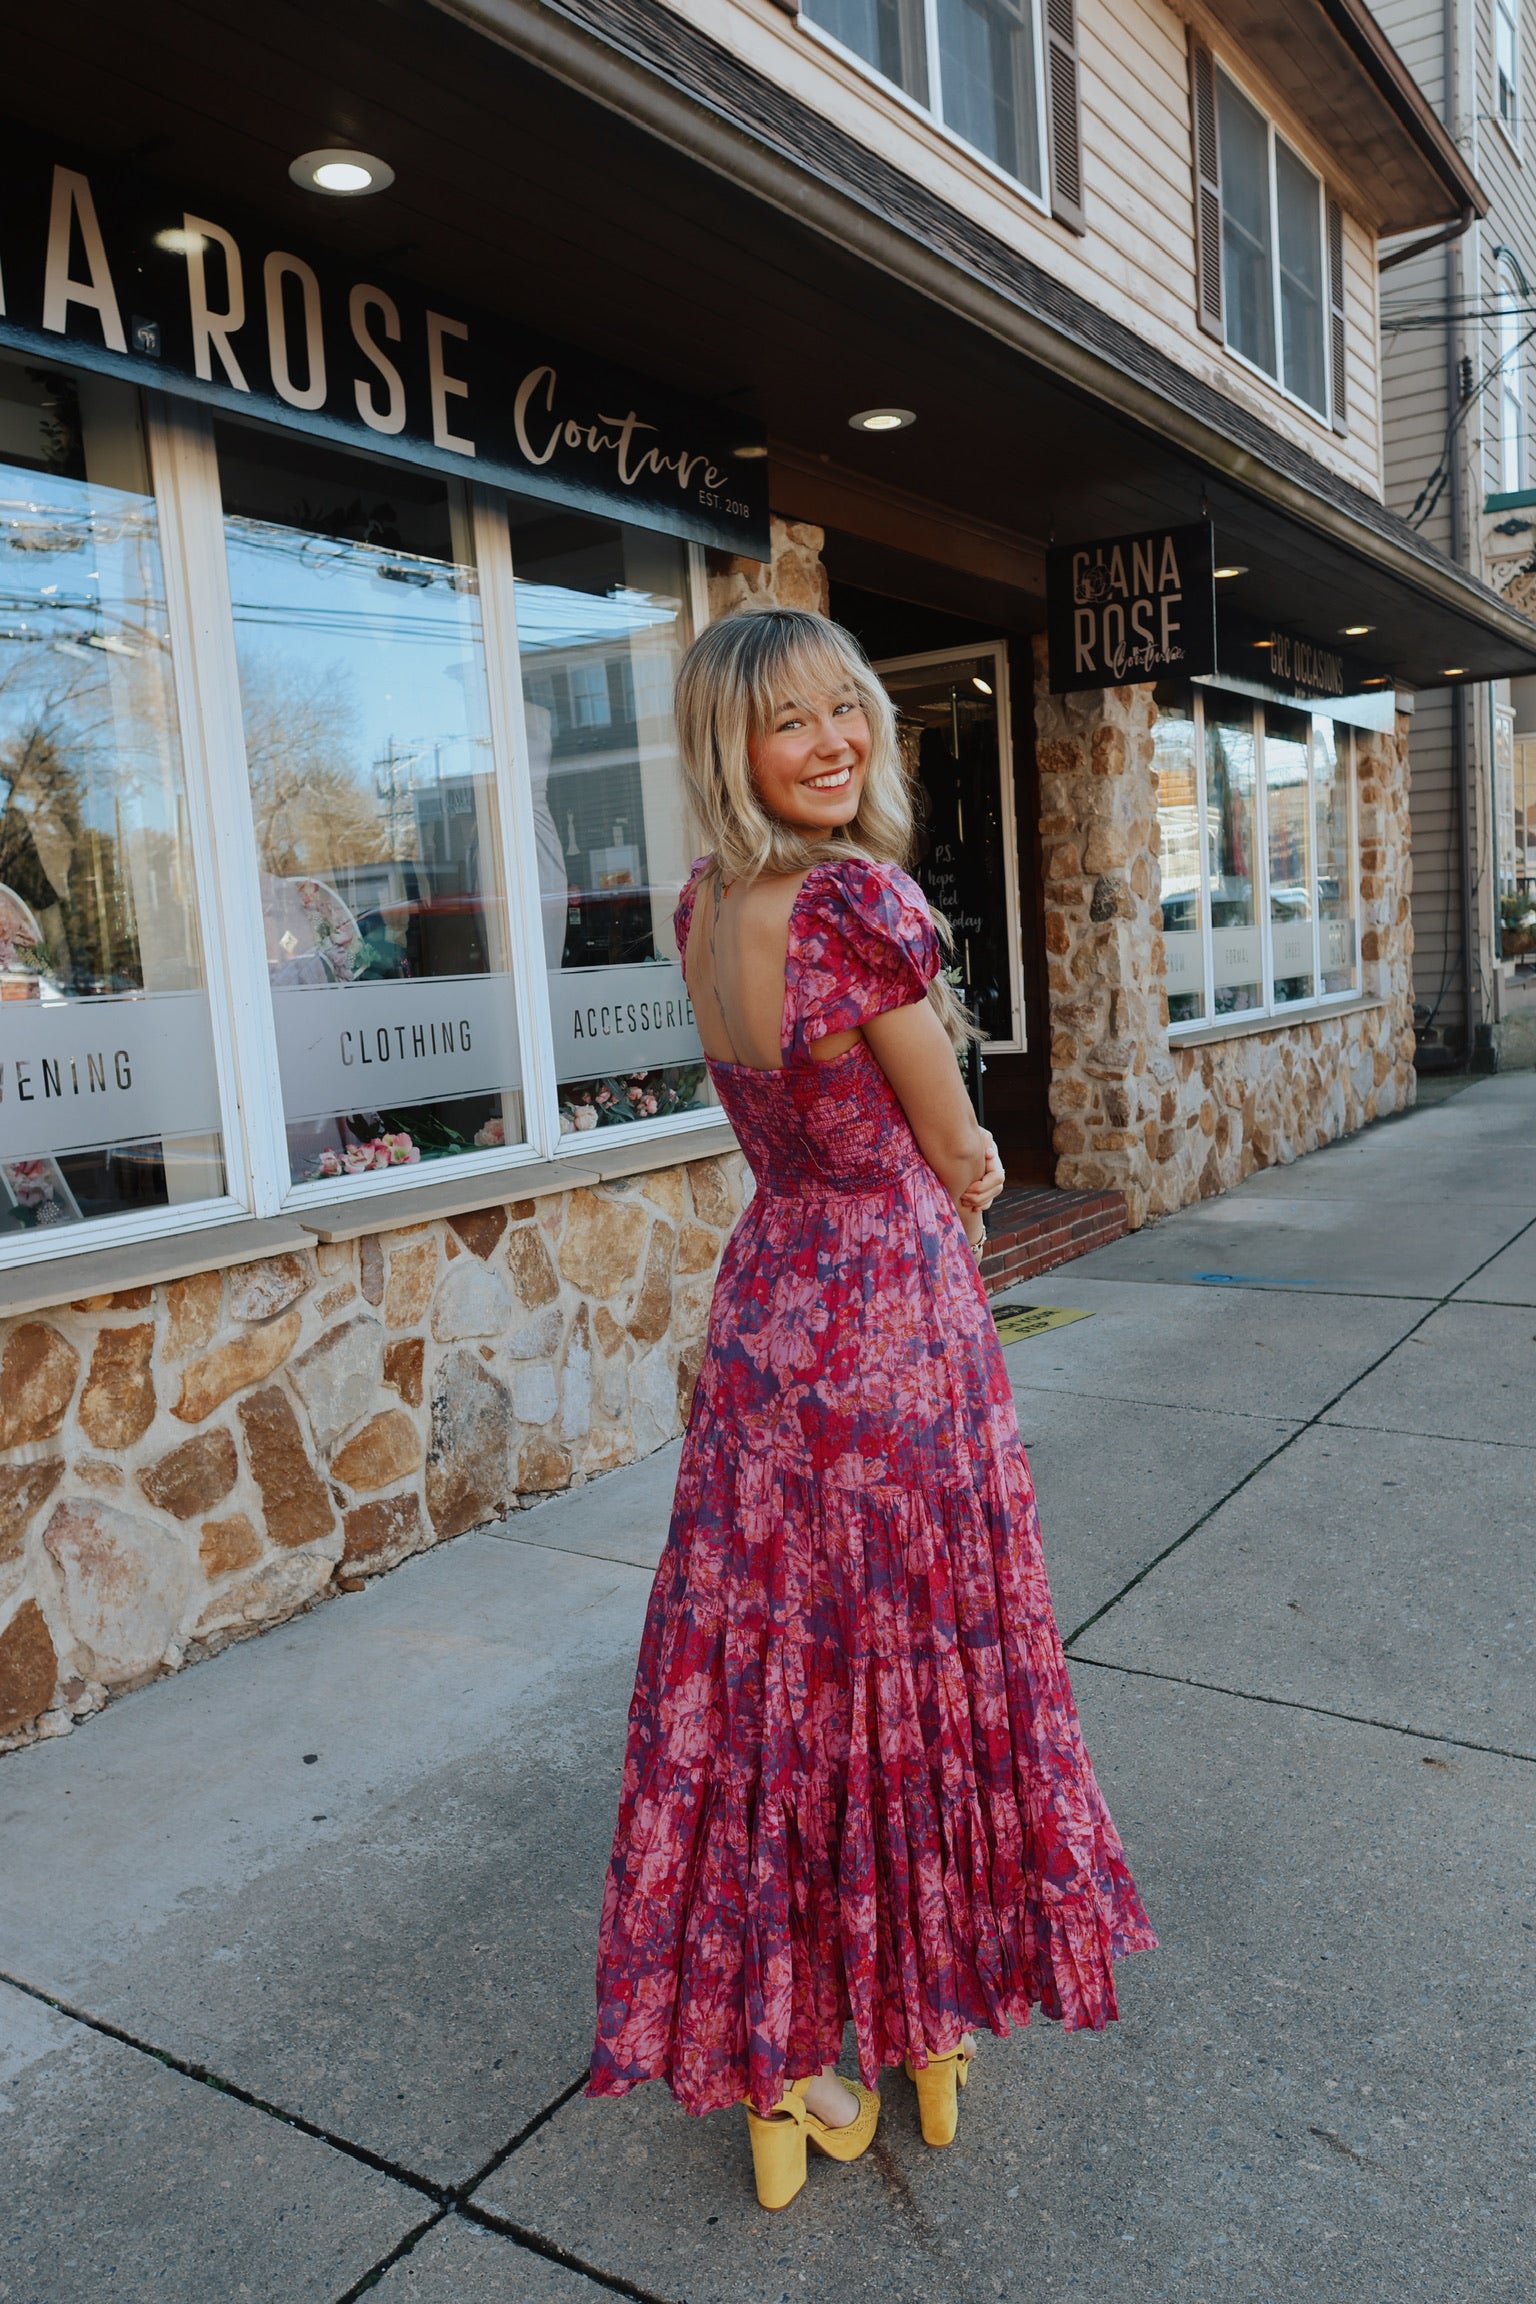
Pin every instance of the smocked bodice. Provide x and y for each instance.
(818, 1128)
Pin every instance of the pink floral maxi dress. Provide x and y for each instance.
(855, 1786)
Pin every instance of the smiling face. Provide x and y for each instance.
(809, 765)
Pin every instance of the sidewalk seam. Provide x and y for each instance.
(491, 2220)
(1299, 1704)
(1290, 1441)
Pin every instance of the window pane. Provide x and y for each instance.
(367, 733)
(1178, 818)
(946, 719)
(1331, 747)
(1299, 199)
(601, 626)
(108, 1095)
(1504, 49)
(1231, 825)
(886, 33)
(1247, 252)
(1290, 877)
(1512, 326)
(987, 82)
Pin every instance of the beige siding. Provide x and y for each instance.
(1137, 259)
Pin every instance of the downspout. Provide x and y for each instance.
(1461, 750)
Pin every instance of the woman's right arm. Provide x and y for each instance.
(913, 1050)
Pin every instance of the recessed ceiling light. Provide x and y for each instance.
(1376, 680)
(1356, 631)
(1263, 643)
(341, 173)
(1454, 672)
(882, 419)
(1236, 569)
(176, 240)
(751, 452)
(984, 685)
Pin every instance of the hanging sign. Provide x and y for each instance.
(1292, 667)
(1131, 608)
(186, 293)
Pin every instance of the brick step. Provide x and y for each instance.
(1031, 1230)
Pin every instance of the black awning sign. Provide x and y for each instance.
(117, 274)
(1132, 608)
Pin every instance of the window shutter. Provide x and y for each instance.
(1336, 370)
(1202, 87)
(1066, 119)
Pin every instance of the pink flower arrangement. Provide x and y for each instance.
(388, 1151)
(492, 1134)
(31, 1182)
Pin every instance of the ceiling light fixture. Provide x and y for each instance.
(1236, 569)
(176, 240)
(343, 174)
(751, 452)
(882, 420)
(1454, 672)
(1263, 643)
(1356, 631)
(984, 685)
(1376, 680)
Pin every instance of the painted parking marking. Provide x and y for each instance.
(1016, 1322)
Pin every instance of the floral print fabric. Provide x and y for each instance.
(855, 1786)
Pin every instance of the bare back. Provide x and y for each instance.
(738, 949)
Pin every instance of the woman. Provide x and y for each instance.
(855, 1786)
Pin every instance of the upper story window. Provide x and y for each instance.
(977, 65)
(1506, 63)
(1511, 384)
(1271, 250)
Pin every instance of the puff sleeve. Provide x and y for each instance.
(862, 941)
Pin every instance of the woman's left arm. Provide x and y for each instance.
(913, 1050)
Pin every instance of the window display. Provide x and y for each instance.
(1286, 739)
(374, 791)
(1177, 762)
(602, 624)
(109, 1099)
(1231, 831)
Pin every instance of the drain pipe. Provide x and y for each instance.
(1461, 750)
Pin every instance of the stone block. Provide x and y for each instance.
(23, 1489)
(537, 1338)
(194, 1307)
(403, 1367)
(535, 1394)
(117, 1406)
(37, 1380)
(260, 1290)
(247, 1359)
(228, 1544)
(370, 1268)
(469, 1475)
(470, 1301)
(383, 1452)
(575, 1389)
(532, 1268)
(709, 1188)
(653, 1400)
(651, 1314)
(664, 1190)
(265, 1595)
(339, 1378)
(195, 1476)
(390, 1527)
(481, 1230)
(412, 1277)
(28, 1668)
(697, 1248)
(601, 1245)
(295, 1501)
(542, 1465)
(126, 1584)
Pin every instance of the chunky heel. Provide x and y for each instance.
(778, 2153)
(938, 2083)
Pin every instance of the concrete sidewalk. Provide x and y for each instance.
(299, 1943)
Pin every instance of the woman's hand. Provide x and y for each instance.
(988, 1184)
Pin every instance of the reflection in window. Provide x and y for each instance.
(1177, 763)
(987, 81)
(1232, 838)
(1335, 855)
(101, 970)
(1299, 218)
(1290, 875)
(1271, 250)
(367, 731)
(889, 34)
(601, 627)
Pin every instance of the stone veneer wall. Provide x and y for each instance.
(185, 1464)
(1168, 1125)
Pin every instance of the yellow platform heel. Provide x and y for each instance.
(779, 2142)
(938, 2083)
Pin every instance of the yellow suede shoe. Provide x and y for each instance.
(938, 2083)
(779, 2142)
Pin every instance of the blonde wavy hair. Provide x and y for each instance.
(731, 685)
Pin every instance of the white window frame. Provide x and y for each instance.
(1270, 1009)
(1277, 383)
(1506, 21)
(932, 112)
(1511, 368)
(179, 439)
(997, 650)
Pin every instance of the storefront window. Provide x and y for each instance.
(108, 1093)
(1278, 844)
(1286, 737)
(1231, 785)
(373, 785)
(1177, 761)
(602, 623)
